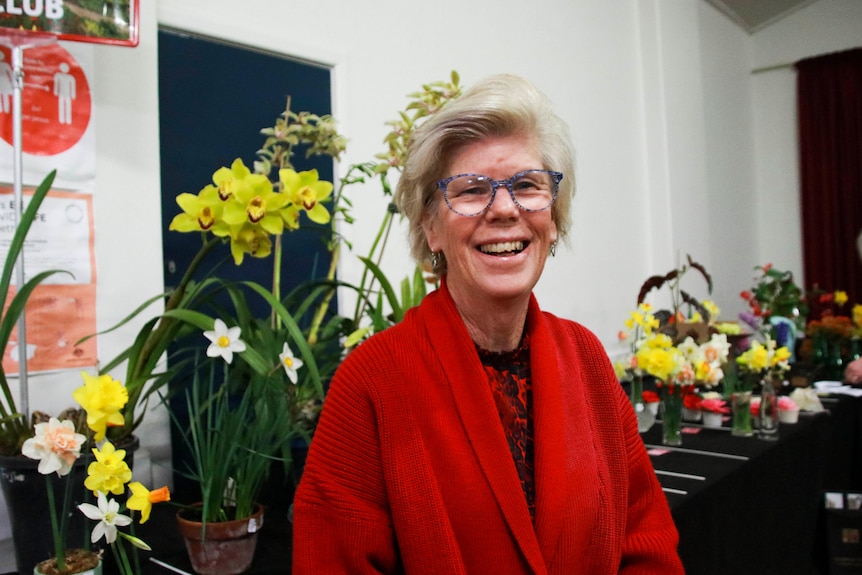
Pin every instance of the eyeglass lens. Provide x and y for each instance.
(471, 194)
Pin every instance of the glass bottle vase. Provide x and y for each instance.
(645, 417)
(671, 414)
(768, 415)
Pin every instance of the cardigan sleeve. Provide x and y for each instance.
(341, 520)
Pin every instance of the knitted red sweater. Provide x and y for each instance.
(409, 470)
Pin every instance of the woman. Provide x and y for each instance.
(481, 435)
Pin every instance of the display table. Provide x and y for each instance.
(741, 504)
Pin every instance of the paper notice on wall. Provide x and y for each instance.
(62, 310)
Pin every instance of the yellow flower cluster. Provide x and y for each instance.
(245, 207)
(765, 358)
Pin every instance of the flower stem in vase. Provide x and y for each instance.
(671, 414)
(741, 414)
(768, 410)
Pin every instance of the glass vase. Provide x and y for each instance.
(671, 414)
(740, 417)
(768, 416)
(645, 417)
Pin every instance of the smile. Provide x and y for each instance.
(503, 248)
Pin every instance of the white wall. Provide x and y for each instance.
(680, 149)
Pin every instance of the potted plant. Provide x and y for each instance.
(237, 427)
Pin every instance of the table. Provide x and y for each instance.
(743, 504)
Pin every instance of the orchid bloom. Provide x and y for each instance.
(56, 445)
(142, 499)
(290, 362)
(305, 191)
(107, 513)
(102, 397)
(225, 341)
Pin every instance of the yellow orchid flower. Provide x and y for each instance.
(253, 202)
(306, 191)
(250, 240)
(200, 212)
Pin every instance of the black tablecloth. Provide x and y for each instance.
(743, 504)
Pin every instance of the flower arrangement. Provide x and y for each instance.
(763, 360)
(57, 445)
(687, 315)
(774, 293)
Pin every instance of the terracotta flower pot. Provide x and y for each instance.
(227, 549)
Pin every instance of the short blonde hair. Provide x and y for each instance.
(500, 105)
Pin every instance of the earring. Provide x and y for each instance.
(553, 249)
(435, 259)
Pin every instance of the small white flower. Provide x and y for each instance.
(56, 445)
(290, 363)
(108, 516)
(225, 341)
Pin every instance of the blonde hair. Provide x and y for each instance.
(500, 105)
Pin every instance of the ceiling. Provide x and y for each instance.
(754, 15)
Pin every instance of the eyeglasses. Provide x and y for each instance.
(472, 194)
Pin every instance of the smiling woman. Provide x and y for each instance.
(481, 433)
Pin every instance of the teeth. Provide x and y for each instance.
(502, 247)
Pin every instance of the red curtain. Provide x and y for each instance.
(829, 90)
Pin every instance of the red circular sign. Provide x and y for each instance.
(55, 100)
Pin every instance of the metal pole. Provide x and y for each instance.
(18, 173)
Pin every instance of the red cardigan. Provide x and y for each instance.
(409, 470)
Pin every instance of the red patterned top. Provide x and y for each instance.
(511, 386)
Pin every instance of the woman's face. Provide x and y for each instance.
(501, 253)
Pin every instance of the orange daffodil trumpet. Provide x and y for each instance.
(247, 208)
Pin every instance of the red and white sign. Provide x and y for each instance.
(56, 102)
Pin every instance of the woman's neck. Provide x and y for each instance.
(493, 325)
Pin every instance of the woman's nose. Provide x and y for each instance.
(503, 204)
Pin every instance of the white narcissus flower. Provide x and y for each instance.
(290, 363)
(108, 515)
(56, 445)
(225, 341)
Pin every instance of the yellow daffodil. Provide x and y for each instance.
(712, 308)
(142, 499)
(305, 191)
(109, 473)
(102, 398)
